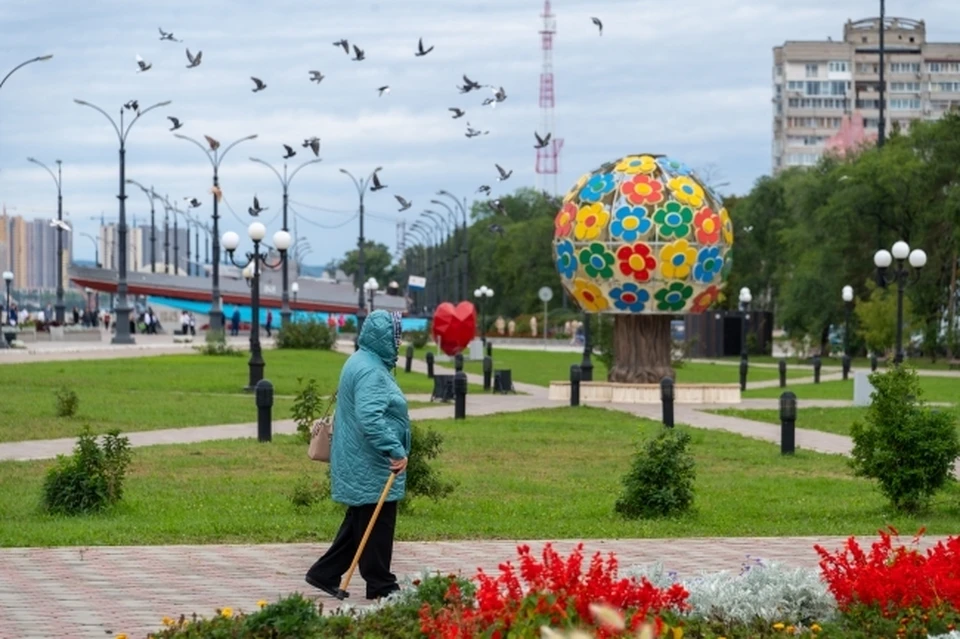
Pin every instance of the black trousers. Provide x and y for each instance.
(374, 562)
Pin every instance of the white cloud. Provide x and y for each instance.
(690, 79)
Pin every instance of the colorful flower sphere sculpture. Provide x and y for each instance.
(643, 235)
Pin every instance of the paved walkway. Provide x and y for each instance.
(98, 592)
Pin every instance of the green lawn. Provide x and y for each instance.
(830, 420)
(548, 474)
(935, 389)
(166, 391)
(542, 367)
(856, 362)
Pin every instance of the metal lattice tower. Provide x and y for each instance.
(548, 158)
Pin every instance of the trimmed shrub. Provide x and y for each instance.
(309, 334)
(308, 406)
(660, 481)
(91, 479)
(67, 402)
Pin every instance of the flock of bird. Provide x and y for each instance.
(313, 143)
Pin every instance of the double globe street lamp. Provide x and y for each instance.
(281, 241)
(371, 287)
(481, 294)
(847, 295)
(883, 259)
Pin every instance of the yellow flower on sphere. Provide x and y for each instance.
(636, 164)
(227, 612)
(572, 193)
(262, 603)
(726, 226)
(590, 296)
(686, 191)
(591, 219)
(676, 260)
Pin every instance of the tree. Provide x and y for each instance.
(878, 317)
(378, 263)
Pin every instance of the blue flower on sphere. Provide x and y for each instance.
(630, 297)
(566, 260)
(709, 264)
(673, 167)
(596, 187)
(630, 223)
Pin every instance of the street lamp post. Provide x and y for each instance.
(482, 294)
(123, 309)
(443, 227)
(58, 180)
(151, 196)
(423, 233)
(456, 291)
(281, 240)
(465, 245)
(361, 264)
(40, 58)
(295, 288)
(882, 259)
(285, 183)
(745, 298)
(371, 287)
(216, 157)
(847, 294)
(96, 248)
(8, 280)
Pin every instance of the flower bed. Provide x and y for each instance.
(890, 591)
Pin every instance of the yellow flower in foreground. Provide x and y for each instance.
(227, 612)
(262, 603)
(121, 636)
(167, 621)
(778, 626)
(790, 629)
(815, 628)
(607, 616)
(677, 632)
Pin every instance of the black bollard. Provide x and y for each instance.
(744, 367)
(460, 395)
(575, 385)
(489, 349)
(788, 423)
(783, 372)
(409, 363)
(816, 369)
(458, 362)
(873, 363)
(430, 364)
(264, 398)
(846, 366)
(666, 396)
(487, 372)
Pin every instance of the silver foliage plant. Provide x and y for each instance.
(769, 591)
(950, 635)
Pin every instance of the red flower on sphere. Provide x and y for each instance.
(563, 222)
(705, 300)
(642, 189)
(637, 261)
(707, 224)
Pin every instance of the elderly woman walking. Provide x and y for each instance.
(371, 439)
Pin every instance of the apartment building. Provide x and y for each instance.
(28, 248)
(819, 85)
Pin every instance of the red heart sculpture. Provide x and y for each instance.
(454, 326)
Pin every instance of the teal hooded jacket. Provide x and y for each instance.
(371, 424)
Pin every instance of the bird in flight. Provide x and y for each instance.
(290, 152)
(485, 189)
(214, 144)
(314, 144)
(497, 206)
(404, 204)
(457, 113)
(316, 76)
(496, 228)
(343, 44)
(376, 183)
(194, 202)
(421, 51)
(472, 132)
(256, 209)
(143, 64)
(384, 89)
(503, 174)
(175, 122)
(132, 105)
(599, 24)
(358, 54)
(60, 224)
(194, 59)
(167, 36)
(541, 142)
(469, 84)
(260, 86)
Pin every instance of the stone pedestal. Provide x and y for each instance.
(862, 389)
(476, 350)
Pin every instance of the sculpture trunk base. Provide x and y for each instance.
(642, 349)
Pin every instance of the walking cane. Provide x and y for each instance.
(342, 593)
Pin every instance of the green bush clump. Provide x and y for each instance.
(418, 339)
(903, 444)
(423, 480)
(660, 481)
(216, 344)
(309, 491)
(91, 479)
(67, 402)
(308, 334)
(308, 406)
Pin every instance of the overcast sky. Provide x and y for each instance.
(691, 79)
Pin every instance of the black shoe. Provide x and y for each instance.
(333, 591)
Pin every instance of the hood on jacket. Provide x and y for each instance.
(378, 336)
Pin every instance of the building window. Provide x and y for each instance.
(813, 88)
(904, 67)
(904, 105)
(795, 85)
(779, 69)
(945, 87)
(813, 70)
(904, 87)
(867, 67)
(837, 66)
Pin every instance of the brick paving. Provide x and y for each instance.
(101, 591)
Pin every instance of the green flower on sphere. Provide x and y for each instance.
(674, 220)
(597, 261)
(674, 297)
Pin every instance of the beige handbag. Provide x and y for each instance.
(321, 435)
